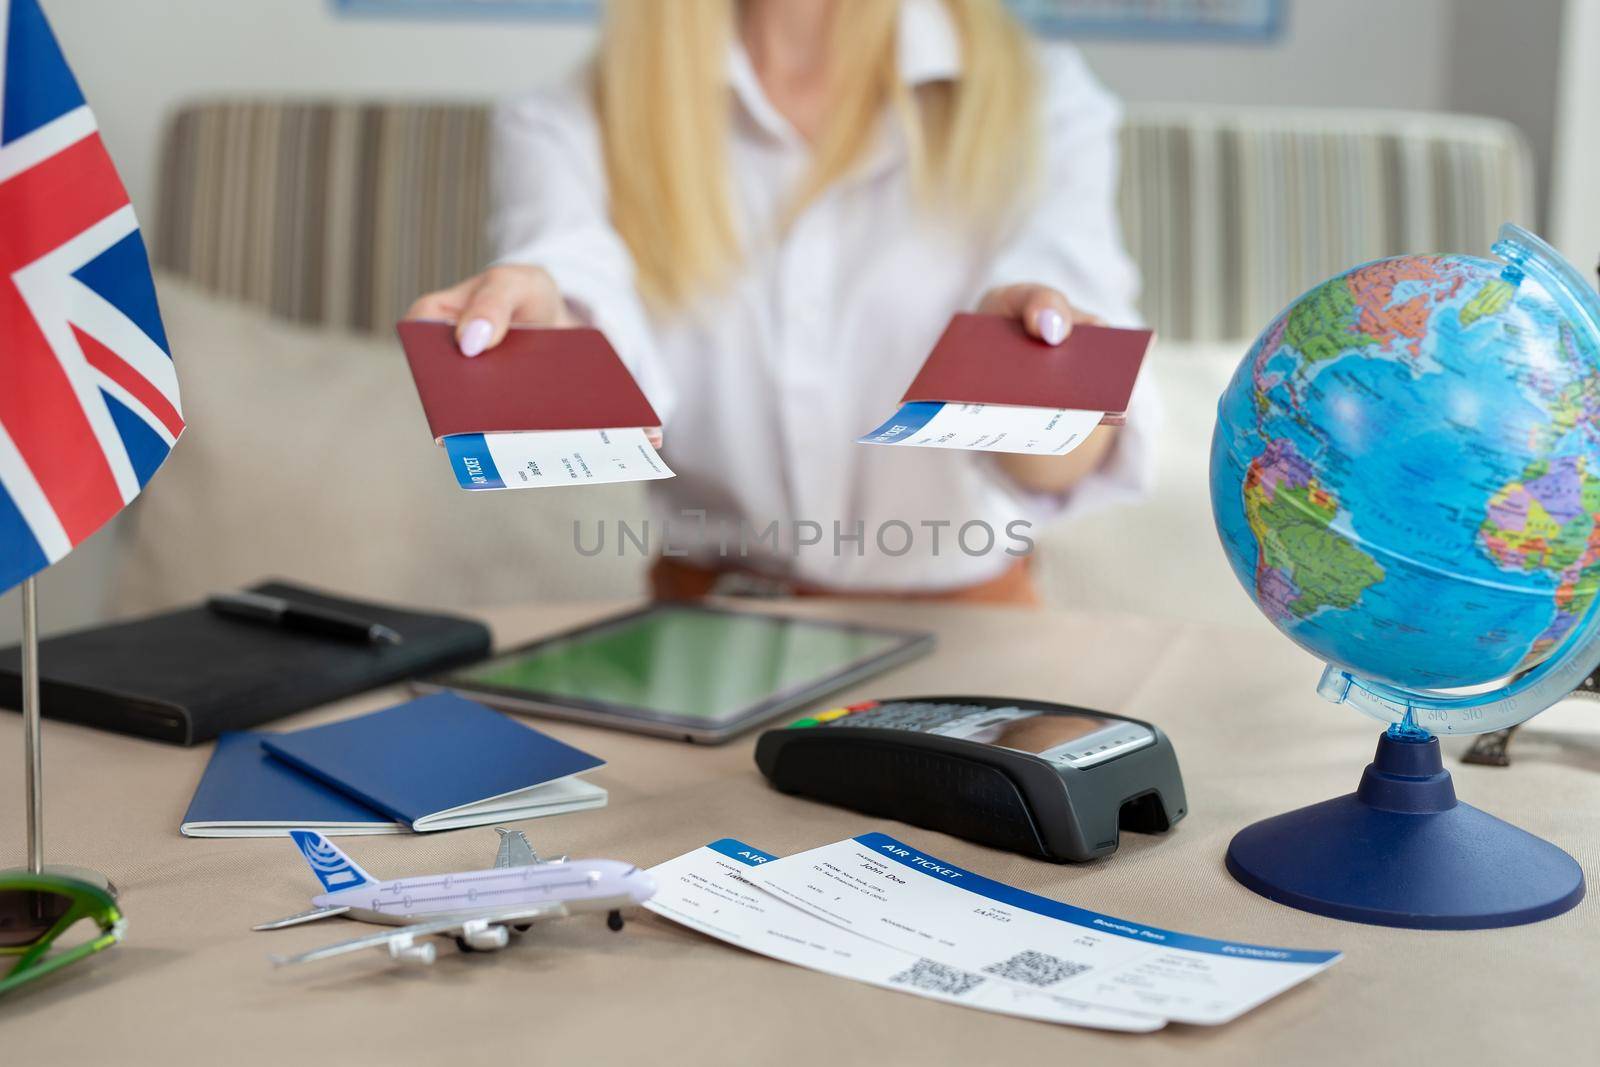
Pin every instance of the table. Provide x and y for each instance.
(192, 983)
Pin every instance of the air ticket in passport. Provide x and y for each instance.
(965, 924)
(986, 428)
(553, 458)
(708, 890)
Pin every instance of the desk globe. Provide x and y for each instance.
(1405, 476)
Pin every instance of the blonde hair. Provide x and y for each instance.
(662, 95)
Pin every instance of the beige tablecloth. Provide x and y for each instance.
(192, 983)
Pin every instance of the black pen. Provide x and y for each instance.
(276, 611)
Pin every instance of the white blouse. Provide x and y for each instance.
(764, 387)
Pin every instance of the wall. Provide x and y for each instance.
(1575, 209)
(136, 60)
(1332, 53)
(1504, 61)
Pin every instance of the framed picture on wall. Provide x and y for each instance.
(1245, 20)
(1258, 20)
(549, 9)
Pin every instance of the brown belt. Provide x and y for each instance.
(674, 579)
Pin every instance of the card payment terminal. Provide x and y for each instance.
(1047, 780)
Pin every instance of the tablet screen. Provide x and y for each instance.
(695, 664)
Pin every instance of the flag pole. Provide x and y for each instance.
(31, 753)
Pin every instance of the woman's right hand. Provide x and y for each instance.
(485, 305)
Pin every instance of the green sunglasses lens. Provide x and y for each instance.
(35, 909)
(26, 915)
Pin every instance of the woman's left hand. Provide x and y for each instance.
(1050, 317)
(1043, 311)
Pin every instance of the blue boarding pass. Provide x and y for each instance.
(897, 894)
(553, 458)
(986, 428)
(709, 890)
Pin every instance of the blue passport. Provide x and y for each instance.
(247, 793)
(441, 762)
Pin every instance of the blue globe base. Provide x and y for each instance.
(1402, 851)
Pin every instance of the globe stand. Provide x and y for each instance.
(1402, 851)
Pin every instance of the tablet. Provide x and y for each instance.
(684, 670)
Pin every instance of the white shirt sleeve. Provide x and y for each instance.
(1070, 239)
(547, 190)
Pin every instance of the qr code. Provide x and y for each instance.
(1035, 968)
(931, 977)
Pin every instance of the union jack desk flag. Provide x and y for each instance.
(88, 393)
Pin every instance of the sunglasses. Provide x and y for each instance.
(36, 909)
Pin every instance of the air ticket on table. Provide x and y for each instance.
(553, 457)
(986, 428)
(707, 890)
(896, 894)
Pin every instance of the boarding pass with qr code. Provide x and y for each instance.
(707, 890)
(894, 893)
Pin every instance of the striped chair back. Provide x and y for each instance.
(1231, 213)
(327, 213)
(341, 213)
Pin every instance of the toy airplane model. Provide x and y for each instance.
(478, 908)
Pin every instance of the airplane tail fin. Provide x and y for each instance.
(514, 849)
(332, 867)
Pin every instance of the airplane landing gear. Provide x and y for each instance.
(614, 920)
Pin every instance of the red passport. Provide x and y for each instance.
(536, 379)
(990, 359)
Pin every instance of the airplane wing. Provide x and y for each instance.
(401, 941)
(302, 917)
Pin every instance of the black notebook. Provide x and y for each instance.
(188, 675)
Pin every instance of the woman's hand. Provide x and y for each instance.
(1049, 316)
(1044, 313)
(484, 306)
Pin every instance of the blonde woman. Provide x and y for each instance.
(772, 208)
